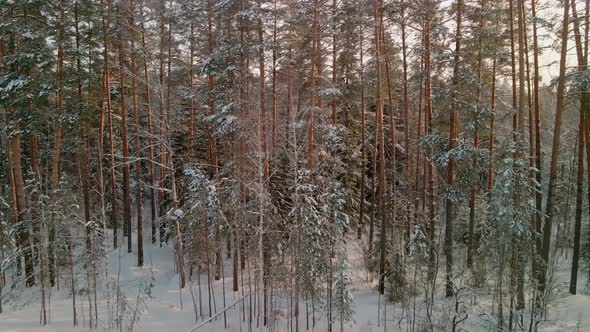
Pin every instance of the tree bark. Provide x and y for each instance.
(537, 270)
(17, 193)
(450, 206)
(312, 101)
(407, 226)
(492, 134)
(429, 169)
(475, 176)
(125, 145)
(522, 104)
(264, 255)
(363, 138)
(56, 163)
(274, 79)
(581, 53)
(547, 227)
(579, 202)
(148, 110)
(137, 140)
(381, 143)
(334, 58)
(17, 187)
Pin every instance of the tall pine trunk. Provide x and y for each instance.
(582, 54)
(106, 93)
(475, 176)
(17, 189)
(380, 138)
(579, 202)
(56, 163)
(125, 145)
(428, 166)
(407, 226)
(361, 220)
(137, 141)
(560, 105)
(334, 58)
(450, 206)
(264, 172)
(84, 176)
(148, 110)
(537, 270)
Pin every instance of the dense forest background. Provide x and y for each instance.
(447, 141)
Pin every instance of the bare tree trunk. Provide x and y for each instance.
(85, 184)
(161, 124)
(38, 219)
(17, 193)
(125, 146)
(579, 202)
(374, 196)
(312, 102)
(73, 282)
(148, 105)
(381, 144)
(3, 279)
(554, 153)
(473, 192)
(137, 142)
(274, 79)
(522, 104)
(492, 136)
(213, 161)
(363, 138)
(56, 163)
(537, 269)
(334, 58)
(427, 131)
(42, 277)
(264, 169)
(418, 189)
(55, 169)
(35, 203)
(191, 128)
(583, 133)
(17, 186)
(210, 81)
(408, 225)
(107, 93)
(450, 206)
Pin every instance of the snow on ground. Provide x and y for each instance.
(569, 312)
(162, 311)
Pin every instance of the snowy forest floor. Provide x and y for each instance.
(153, 302)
